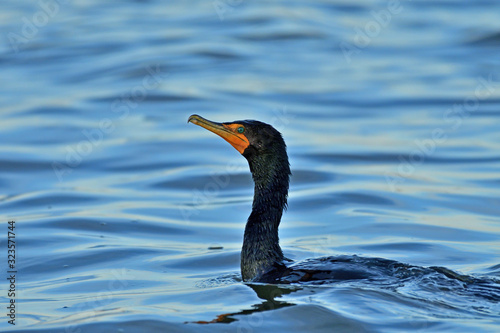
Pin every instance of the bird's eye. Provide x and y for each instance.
(241, 129)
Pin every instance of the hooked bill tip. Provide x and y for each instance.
(193, 118)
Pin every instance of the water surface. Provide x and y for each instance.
(130, 219)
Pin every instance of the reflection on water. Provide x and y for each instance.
(128, 218)
(446, 288)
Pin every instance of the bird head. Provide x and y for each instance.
(249, 137)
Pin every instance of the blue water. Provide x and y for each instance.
(129, 219)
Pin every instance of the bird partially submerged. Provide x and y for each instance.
(261, 257)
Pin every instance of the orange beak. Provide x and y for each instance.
(226, 131)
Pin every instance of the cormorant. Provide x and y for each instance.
(264, 148)
(261, 257)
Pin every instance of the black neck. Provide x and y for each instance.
(261, 251)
